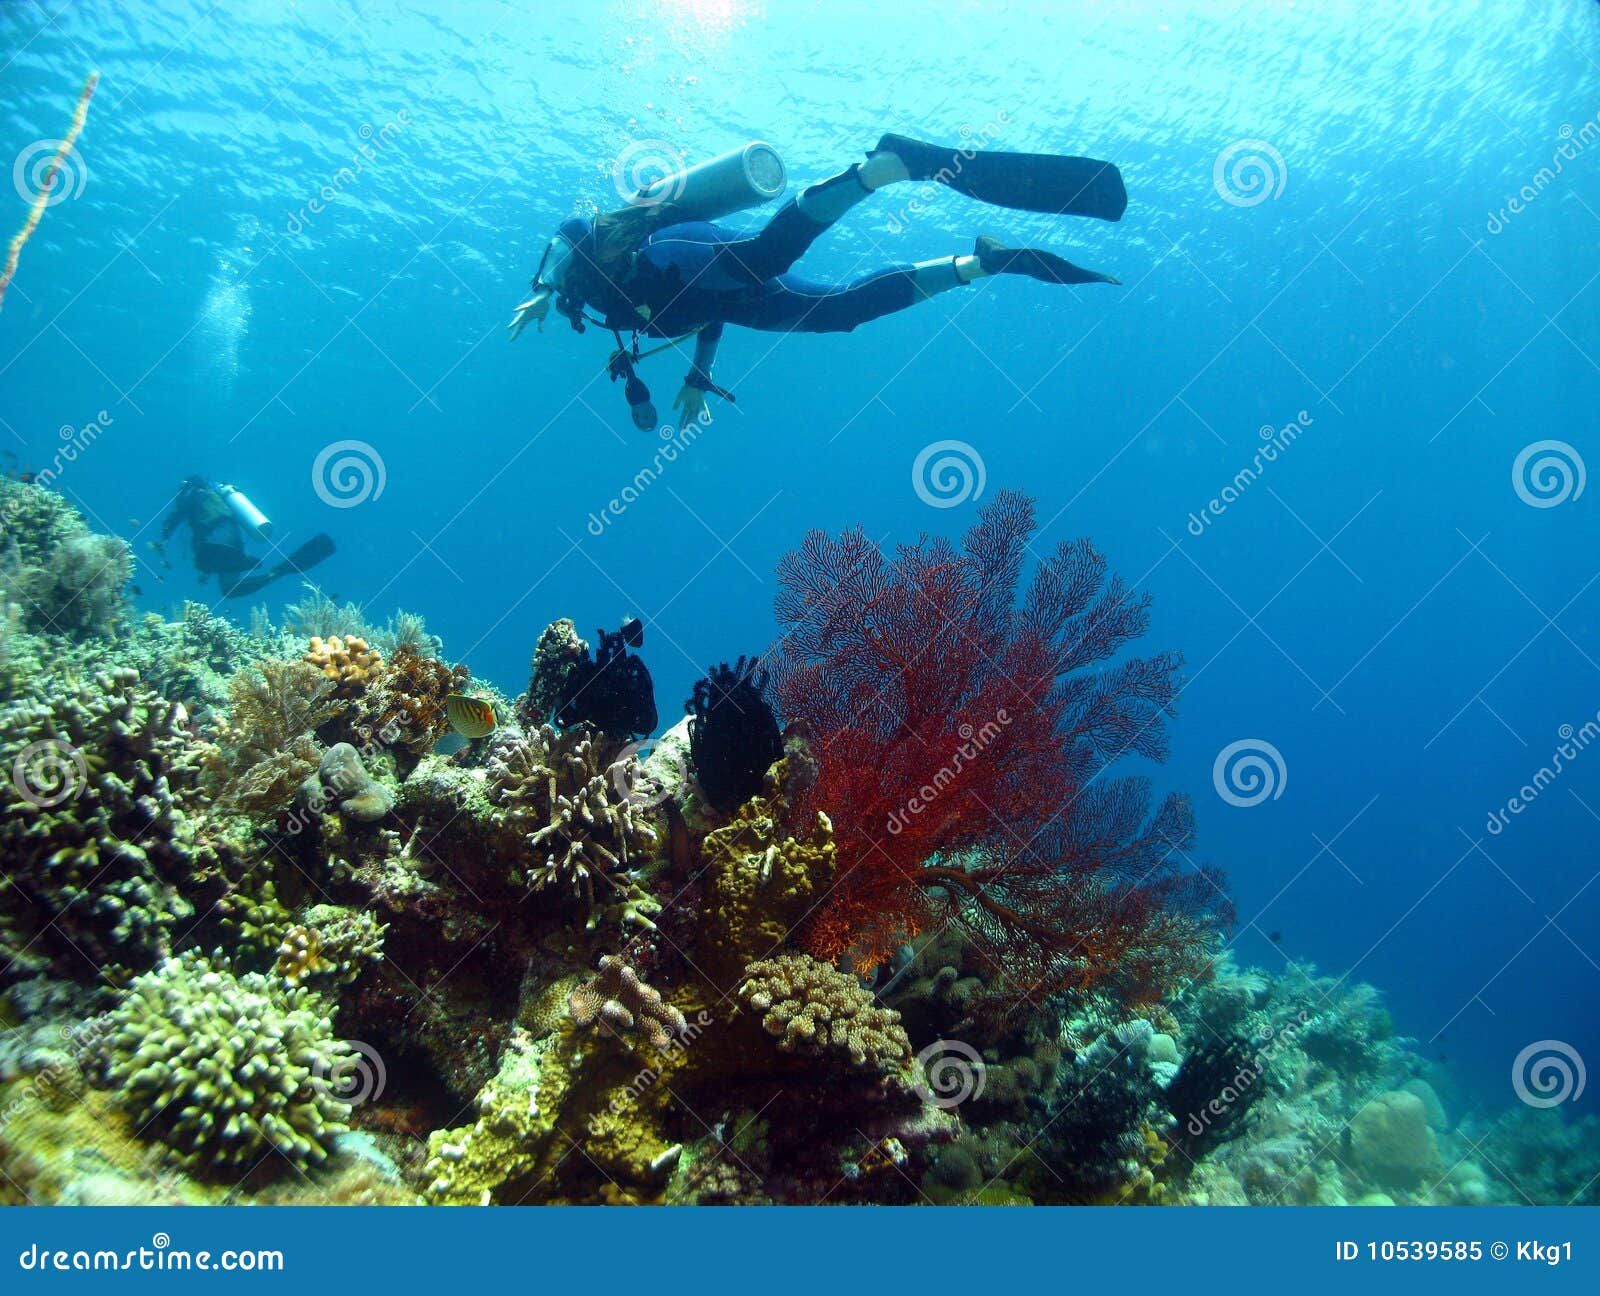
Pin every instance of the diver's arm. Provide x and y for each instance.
(691, 402)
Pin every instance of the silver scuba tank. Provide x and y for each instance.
(744, 177)
(250, 517)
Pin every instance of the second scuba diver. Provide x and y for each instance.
(662, 268)
(220, 519)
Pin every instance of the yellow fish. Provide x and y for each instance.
(469, 716)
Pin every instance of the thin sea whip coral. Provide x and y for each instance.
(42, 198)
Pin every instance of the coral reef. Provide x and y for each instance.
(63, 578)
(811, 1008)
(406, 701)
(226, 1070)
(342, 779)
(733, 734)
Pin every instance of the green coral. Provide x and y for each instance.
(66, 579)
(227, 1069)
(95, 829)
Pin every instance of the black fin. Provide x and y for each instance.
(1036, 182)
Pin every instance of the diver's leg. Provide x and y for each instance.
(773, 250)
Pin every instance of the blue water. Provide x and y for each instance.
(1380, 605)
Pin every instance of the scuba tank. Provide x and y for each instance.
(249, 516)
(744, 177)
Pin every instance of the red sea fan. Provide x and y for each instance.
(961, 739)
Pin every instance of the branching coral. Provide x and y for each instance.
(817, 1010)
(346, 661)
(760, 882)
(227, 1069)
(620, 1003)
(189, 659)
(572, 809)
(330, 947)
(558, 657)
(266, 747)
(733, 737)
(407, 630)
(94, 830)
(317, 614)
(962, 740)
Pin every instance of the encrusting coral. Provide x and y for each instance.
(760, 882)
(619, 1002)
(96, 830)
(227, 1069)
(811, 1008)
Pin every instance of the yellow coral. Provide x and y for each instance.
(760, 883)
(347, 661)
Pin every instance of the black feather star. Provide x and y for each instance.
(733, 735)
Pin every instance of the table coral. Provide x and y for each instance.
(227, 1069)
(817, 1010)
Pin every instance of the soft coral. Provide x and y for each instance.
(961, 739)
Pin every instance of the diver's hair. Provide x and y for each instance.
(604, 260)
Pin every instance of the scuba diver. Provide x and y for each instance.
(220, 519)
(662, 268)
